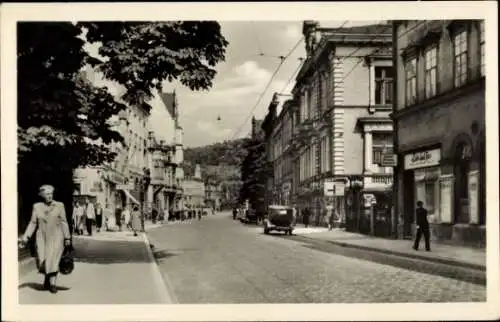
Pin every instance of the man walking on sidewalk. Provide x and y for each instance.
(422, 227)
(89, 216)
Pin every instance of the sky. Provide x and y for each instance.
(239, 82)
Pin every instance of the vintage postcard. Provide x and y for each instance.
(250, 161)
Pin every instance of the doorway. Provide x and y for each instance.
(408, 202)
(463, 153)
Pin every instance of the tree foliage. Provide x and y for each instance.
(230, 152)
(60, 108)
(254, 172)
(63, 118)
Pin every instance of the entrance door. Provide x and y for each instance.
(461, 171)
(408, 202)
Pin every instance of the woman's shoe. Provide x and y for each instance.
(53, 289)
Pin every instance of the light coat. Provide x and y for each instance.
(52, 230)
(135, 220)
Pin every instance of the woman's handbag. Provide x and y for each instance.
(67, 264)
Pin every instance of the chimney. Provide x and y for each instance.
(309, 28)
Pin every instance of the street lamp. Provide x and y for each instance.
(146, 180)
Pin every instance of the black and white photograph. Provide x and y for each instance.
(193, 158)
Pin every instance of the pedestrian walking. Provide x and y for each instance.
(235, 212)
(422, 227)
(135, 220)
(118, 218)
(89, 216)
(154, 216)
(305, 217)
(329, 218)
(52, 236)
(98, 217)
(78, 218)
(126, 219)
(199, 215)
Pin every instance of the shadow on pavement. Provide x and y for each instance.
(39, 287)
(110, 251)
(413, 264)
(162, 254)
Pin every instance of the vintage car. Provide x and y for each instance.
(279, 218)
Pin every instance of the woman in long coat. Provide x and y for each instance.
(51, 237)
(135, 220)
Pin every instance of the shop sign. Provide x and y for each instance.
(422, 159)
(331, 189)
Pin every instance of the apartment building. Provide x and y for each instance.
(118, 183)
(439, 116)
(282, 155)
(342, 131)
(194, 191)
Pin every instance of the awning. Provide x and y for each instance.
(129, 196)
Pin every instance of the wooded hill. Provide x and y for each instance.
(220, 161)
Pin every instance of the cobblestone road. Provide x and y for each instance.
(219, 260)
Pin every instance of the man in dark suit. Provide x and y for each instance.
(422, 227)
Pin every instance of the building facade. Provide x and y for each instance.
(213, 195)
(439, 115)
(119, 183)
(343, 131)
(194, 192)
(282, 155)
(267, 127)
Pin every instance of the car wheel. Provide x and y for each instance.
(266, 231)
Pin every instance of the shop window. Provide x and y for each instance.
(430, 196)
(430, 72)
(411, 81)
(383, 85)
(460, 57)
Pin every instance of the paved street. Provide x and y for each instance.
(219, 260)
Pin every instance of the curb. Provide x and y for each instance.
(163, 285)
(407, 255)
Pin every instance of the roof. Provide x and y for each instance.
(365, 30)
(169, 102)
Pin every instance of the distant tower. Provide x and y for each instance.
(197, 172)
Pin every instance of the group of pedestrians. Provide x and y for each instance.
(85, 216)
(124, 219)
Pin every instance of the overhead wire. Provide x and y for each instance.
(283, 59)
(360, 60)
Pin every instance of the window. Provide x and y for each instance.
(430, 196)
(383, 85)
(460, 61)
(411, 81)
(430, 72)
(481, 46)
(381, 144)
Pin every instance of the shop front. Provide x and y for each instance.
(422, 181)
(450, 183)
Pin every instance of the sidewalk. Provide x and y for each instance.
(110, 268)
(453, 255)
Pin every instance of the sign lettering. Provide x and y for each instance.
(422, 159)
